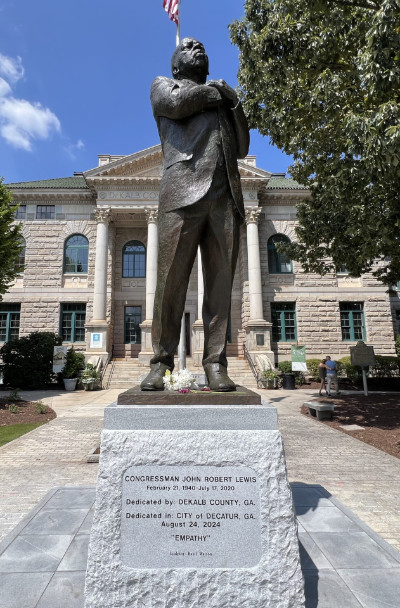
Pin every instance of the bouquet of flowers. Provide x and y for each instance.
(178, 381)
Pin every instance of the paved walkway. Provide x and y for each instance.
(365, 479)
(51, 455)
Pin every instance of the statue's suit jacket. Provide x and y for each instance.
(194, 130)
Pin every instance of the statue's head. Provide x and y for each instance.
(190, 61)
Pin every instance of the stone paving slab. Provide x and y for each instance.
(348, 566)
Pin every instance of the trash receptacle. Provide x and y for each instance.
(289, 382)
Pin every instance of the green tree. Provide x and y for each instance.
(321, 78)
(10, 239)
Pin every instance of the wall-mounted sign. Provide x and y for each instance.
(96, 340)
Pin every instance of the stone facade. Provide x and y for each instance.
(116, 202)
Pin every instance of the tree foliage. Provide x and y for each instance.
(10, 239)
(28, 361)
(321, 78)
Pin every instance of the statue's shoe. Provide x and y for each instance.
(218, 379)
(154, 380)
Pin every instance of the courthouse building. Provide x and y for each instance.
(88, 270)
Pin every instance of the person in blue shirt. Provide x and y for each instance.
(331, 375)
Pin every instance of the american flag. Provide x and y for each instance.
(172, 8)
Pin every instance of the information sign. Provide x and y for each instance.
(362, 355)
(96, 340)
(299, 359)
(59, 358)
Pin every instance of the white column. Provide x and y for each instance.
(182, 345)
(200, 285)
(151, 260)
(101, 262)
(254, 263)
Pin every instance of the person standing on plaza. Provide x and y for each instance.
(331, 375)
(322, 376)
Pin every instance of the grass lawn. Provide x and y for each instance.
(8, 433)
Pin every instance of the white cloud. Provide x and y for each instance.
(71, 149)
(11, 69)
(5, 88)
(22, 121)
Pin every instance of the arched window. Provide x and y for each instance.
(20, 261)
(134, 260)
(76, 254)
(278, 263)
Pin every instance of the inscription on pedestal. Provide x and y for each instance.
(190, 517)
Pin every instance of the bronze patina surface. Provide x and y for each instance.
(242, 396)
(203, 131)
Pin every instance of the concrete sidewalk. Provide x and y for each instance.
(364, 479)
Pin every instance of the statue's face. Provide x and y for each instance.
(190, 60)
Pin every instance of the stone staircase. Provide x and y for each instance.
(125, 373)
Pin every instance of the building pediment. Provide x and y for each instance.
(146, 166)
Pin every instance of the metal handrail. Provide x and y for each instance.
(251, 363)
(103, 373)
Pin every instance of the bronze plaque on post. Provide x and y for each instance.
(362, 355)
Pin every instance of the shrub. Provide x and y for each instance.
(13, 409)
(300, 378)
(285, 367)
(74, 364)
(312, 366)
(41, 408)
(386, 367)
(28, 361)
(14, 395)
(345, 368)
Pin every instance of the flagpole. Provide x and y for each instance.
(178, 25)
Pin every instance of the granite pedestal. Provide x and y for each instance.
(193, 507)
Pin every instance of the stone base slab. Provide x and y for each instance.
(273, 580)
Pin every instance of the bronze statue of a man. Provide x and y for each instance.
(203, 131)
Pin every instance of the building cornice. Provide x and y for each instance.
(53, 195)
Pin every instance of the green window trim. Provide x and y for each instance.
(72, 322)
(278, 263)
(284, 322)
(132, 320)
(76, 254)
(9, 321)
(352, 321)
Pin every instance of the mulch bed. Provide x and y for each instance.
(27, 413)
(379, 415)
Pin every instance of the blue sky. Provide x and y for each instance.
(75, 79)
